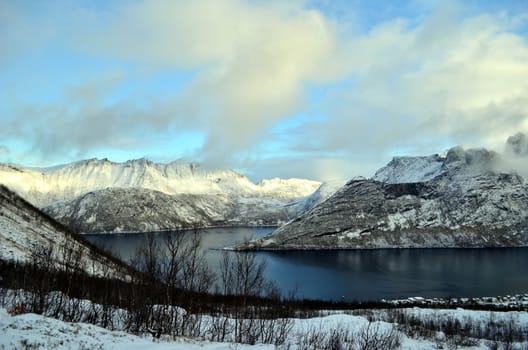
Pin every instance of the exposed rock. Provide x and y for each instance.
(464, 205)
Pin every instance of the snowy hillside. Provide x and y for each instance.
(458, 201)
(420, 169)
(410, 169)
(30, 331)
(46, 186)
(303, 205)
(141, 210)
(26, 233)
(139, 195)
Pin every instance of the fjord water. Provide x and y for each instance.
(364, 274)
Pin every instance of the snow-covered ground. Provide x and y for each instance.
(31, 331)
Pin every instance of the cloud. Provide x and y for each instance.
(449, 78)
(313, 167)
(255, 60)
(418, 84)
(514, 157)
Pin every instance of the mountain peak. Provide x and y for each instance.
(71, 180)
(410, 169)
(456, 161)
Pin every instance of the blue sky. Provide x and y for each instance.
(313, 89)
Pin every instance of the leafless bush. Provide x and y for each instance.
(459, 333)
(373, 337)
(369, 337)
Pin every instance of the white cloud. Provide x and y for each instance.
(463, 80)
(255, 60)
(412, 84)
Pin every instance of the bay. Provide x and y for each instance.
(360, 275)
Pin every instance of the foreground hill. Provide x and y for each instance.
(455, 200)
(99, 195)
(28, 235)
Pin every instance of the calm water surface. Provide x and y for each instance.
(365, 275)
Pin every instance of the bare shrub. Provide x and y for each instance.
(373, 337)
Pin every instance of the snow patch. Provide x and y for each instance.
(410, 169)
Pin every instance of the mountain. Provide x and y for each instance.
(139, 195)
(27, 234)
(410, 169)
(43, 187)
(140, 210)
(454, 200)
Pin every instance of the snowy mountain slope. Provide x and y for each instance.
(43, 188)
(465, 205)
(303, 205)
(181, 194)
(421, 169)
(135, 209)
(25, 232)
(410, 169)
(141, 210)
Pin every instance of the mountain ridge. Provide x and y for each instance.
(467, 203)
(82, 194)
(74, 179)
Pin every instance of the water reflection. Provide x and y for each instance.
(369, 275)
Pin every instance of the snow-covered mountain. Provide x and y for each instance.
(27, 234)
(44, 186)
(455, 200)
(457, 161)
(140, 210)
(140, 195)
(410, 169)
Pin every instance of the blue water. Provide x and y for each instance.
(365, 275)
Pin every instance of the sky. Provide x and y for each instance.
(324, 90)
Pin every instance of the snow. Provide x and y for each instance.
(351, 234)
(410, 169)
(400, 220)
(39, 332)
(46, 186)
(30, 331)
(24, 232)
(520, 318)
(78, 195)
